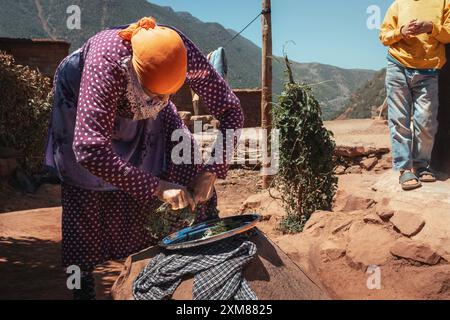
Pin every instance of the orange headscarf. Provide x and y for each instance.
(159, 56)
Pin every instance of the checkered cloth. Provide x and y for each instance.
(217, 268)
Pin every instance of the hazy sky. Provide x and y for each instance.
(327, 31)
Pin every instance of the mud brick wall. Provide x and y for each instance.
(42, 54)
(250, 103)
(441, 154)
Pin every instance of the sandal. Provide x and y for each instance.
(407, 177)
(422, 172)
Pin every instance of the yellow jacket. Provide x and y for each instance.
(426, 51)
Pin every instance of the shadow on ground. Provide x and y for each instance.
(31, 270)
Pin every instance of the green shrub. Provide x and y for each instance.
(25, 104)
(306, 180)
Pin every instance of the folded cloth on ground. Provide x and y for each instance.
(217, 268)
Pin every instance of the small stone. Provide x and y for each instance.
(409, 224)
(385, 163)
(385, 215)
(415, 250)
(354, 170)
(252, 203)
(340, 170)
(369, 163)
(372, 218)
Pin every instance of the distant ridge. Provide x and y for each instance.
(47, 18)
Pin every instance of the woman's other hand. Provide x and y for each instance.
(178, 197)
(203, 187)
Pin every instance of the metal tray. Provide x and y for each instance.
(200, 234)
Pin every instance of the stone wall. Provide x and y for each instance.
(441, 156)
(42, 54)
(250, 103)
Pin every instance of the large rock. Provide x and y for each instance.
(332, 250)
(369, 245)
(415, 250)
(409, 224)
(271, 275)
(354, 203)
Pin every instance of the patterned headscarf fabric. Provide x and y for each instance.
(159, 56)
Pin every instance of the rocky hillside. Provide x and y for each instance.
(48, 18)
(366, 99)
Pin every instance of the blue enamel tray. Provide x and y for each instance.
(210, 231)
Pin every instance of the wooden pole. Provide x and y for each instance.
(266, 82)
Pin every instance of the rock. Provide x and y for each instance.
(372, 218)
(383, 210)
(415, 250)
(368, 245)
(252, 203)
(354, 203)
(203, 119)
(350, 152)
(359, 151)
(271, 274)
(340, 170)
(317, 220)
(369, 163)
(330, 250)
(353, 170)
(385, 163)
(345, 225)
(409, 224)
(385, 215)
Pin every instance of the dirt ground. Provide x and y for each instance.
(373, 223)
(30, 238)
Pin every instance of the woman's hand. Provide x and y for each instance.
(177, 196)
(203, 187)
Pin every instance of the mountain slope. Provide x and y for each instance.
(370, 96)
(22, 19)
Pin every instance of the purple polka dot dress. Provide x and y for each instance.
(109, 163)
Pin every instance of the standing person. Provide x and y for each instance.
(218, 60)
(416, 32)
(110, 140)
